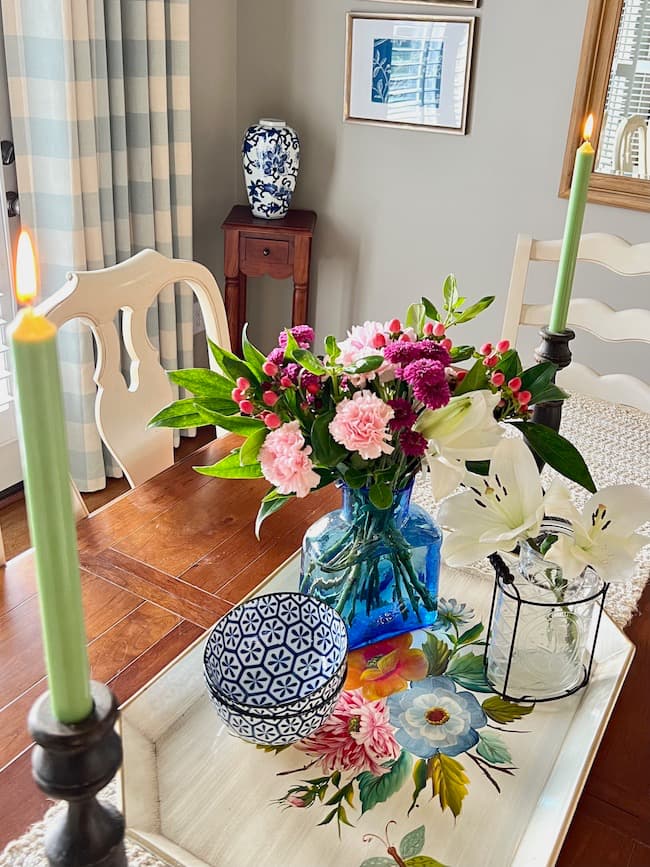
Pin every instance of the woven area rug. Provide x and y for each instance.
(615, 442)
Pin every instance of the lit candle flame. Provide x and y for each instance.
(589, 128)
(26, 269)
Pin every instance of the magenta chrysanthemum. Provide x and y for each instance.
(405, 416)
(276, 356)
(429, 383)
(357, 737)
(402, 354)
(413, 444)
(360, 425)
(304, 335)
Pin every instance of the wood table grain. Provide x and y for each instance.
(164, 561)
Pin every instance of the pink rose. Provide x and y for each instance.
(295, 801)
(285, 462)
(360, 425)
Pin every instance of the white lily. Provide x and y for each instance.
(604, 532)
(496, 511)
(463, 430)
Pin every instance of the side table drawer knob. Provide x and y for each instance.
(266, 251)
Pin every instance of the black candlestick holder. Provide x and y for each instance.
(73, 763)
(553, 348)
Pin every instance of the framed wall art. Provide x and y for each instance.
(467, 4)
(411, 71)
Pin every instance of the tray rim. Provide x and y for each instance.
(629, 650)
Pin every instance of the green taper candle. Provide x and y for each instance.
(49, 503)
(572, 231)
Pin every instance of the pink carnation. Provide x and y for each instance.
(357, 737)
(360, 425)
(360, 342)
(285, 462)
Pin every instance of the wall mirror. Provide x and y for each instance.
(614, 84)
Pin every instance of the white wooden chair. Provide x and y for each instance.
(122, 411)
(587, 314)
(630, 129)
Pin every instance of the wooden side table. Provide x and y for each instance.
(275, 248)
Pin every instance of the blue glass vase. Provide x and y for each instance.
(378, 568)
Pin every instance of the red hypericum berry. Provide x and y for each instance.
(394, 326)
(524, 397)
(270, 398)
(438, 329)
(237, 395)
(514, 384)
(269, 368)
(405, 338)
(523, 408)
(486, 349)
(428, 329)
(246, 407)
(491, 361)
(497, 378)
(501, 404)
(243, 383)
(446, 344)
(285, 382)
(460, 375)
(503, 346)
(379, 341)
(272, 421)
(313, 388)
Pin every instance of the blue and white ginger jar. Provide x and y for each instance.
(271, 158)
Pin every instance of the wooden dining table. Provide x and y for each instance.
(164, 561)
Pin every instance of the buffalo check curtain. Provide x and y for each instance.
(100, 102)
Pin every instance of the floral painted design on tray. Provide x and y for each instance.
(416, 712)
(407, 854)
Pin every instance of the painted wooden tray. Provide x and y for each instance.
(374, 791)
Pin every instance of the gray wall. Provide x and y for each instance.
(399, 209)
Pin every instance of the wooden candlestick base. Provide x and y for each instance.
(554, 348)
(73, 763)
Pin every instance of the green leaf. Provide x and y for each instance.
(420, 776)
(356, 478)
(548, 393)
(469, 671)
(475, 379)
(449, 782)
(473, 310)
(510, 364)
(252, 355)
(202, 382)
(378, 862)
(271, 503)
(537, 376)
(437, 654)
(230, 468)
(381, 496)
(291, 347)
(415, 316)
(375, 790)
(412, 843)
(461, 353)
(336, 777)
(501, 711)
(450, 292)
(238, 424)
(250, 449)
(558, 453)
(493, 749)
(364, 365)
(327, 452)
(332, 348)
(309, 361)
(471, 634)
(423, 861)
(189, 412)
(431, 310)
(329, 817)
(231, 366)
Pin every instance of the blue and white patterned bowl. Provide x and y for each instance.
(274, 658)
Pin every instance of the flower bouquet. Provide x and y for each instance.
(368, 414)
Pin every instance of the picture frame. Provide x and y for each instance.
(466, 4)
(409, 71)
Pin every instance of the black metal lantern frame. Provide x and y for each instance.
(506, 583)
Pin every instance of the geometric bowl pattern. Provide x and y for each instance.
(280, 652)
